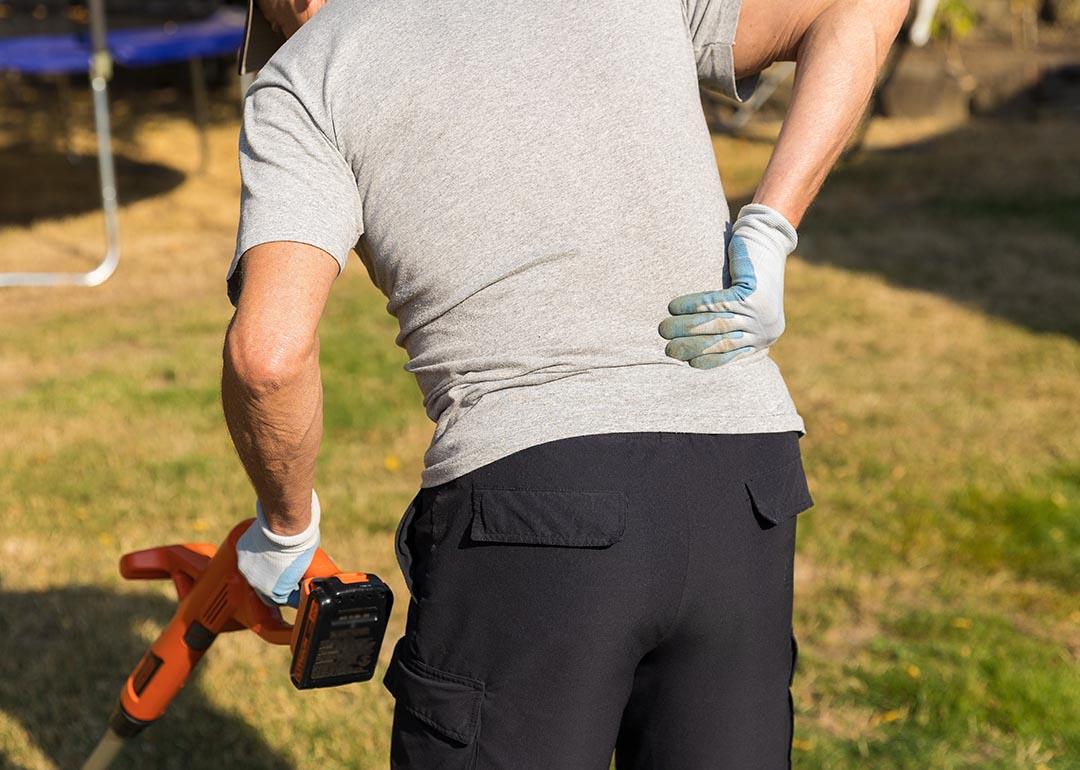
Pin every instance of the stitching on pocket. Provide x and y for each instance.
(587, 518)
(436, 673)
(432, 719)
(559, 491)
(779, 494)
(408, 690)
(435, 725)
(490, 537)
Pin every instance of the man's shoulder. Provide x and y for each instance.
(336, 24)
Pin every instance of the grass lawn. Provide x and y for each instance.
(933, 347)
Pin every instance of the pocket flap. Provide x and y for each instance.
(448, 703)
(780, 494)
(548, 516)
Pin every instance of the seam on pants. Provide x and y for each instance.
(791, 696)
(682, 589)
(429, 557)
(437, 532)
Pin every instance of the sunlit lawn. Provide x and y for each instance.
(932, 346)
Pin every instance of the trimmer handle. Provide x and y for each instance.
(214, 599)
(185, 564)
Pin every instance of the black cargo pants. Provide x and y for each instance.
(624, 591)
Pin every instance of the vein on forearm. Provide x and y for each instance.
(276, 426)
(837, 58)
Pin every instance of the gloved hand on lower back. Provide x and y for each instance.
(273, 564)
(711, 328)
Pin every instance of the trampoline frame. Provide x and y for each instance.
(100, 71)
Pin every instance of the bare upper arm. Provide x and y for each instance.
(285, 288)
(770, 30)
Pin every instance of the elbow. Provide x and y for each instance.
(887, 16)
(262, 363)
(866, 25)
(888, 25)
(898, 11)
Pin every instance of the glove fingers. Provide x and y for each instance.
(719, 301)
(743, 283)
(687, 348)
(713, 360)
(702, 323)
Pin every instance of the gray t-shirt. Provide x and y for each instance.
(533, 181)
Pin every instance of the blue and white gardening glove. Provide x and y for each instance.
(273, 564)
(711, 328)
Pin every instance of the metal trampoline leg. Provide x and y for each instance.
(63, 115)
(768, 85)
(100, 71)
(201, 104)
(245, 83)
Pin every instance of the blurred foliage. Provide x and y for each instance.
(960, 19)
(1069, 12)
(954, 20)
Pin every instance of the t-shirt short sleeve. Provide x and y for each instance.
(712, 30)
(296, 184)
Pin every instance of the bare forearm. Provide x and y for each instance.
(275, 419)
(838, 58)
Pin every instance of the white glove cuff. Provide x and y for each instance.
(299, 542)
(770, 223)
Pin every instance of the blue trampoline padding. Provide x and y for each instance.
(219, 34)
(45, 54)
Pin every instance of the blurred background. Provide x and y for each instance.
(933, 347)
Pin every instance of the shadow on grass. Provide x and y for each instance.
(66, 654)
(50, 185)
(985, 214)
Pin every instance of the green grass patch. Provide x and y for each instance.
(974, 684)
(365, 386)
(1033, 531)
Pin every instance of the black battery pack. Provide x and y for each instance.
(341, 624)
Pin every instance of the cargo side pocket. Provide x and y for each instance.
(779, 494)
(557, 517)
(437, 717)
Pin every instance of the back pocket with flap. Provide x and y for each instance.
(780, 494)
(548, 516)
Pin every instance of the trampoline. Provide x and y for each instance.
(94, 50)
